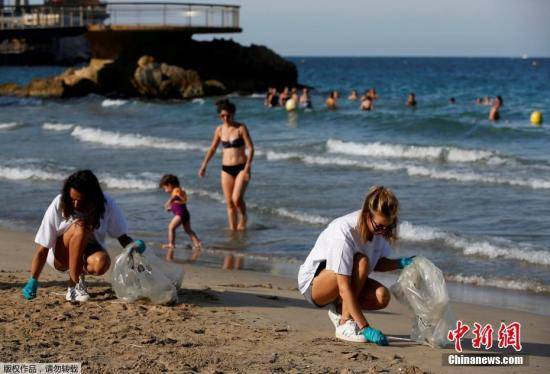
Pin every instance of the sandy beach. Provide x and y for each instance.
(227, 321)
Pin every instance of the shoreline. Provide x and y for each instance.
(236, 321)
(505, 298)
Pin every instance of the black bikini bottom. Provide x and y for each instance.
(233, 170)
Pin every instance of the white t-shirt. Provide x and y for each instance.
(337, 245)
(54, 224)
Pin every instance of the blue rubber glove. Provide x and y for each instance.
(29, 291)
(405, 261)
(139, 246)
(375, 336)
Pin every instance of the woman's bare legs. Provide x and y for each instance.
(228, 184)
(371, 294)
(237, 197)
(69, 251)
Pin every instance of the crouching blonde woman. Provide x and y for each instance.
(337, 270)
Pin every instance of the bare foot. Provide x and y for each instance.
(195, 255)
(170, 255)
(239, 262)
(228, 262)
(242, 223)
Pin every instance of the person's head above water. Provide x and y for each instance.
(379, 214)
(226, 110)
(82, 193)
(498, 100)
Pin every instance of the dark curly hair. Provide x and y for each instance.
(169, 179)
(85, 182)
(225, 104)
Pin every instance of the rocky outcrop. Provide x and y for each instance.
(184, 70)
(147, 78)
(156, 80)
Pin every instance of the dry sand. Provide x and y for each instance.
(227, 321)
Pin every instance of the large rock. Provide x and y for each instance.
(117, 78)
(173, 69)
(156, 80)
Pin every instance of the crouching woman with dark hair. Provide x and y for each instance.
(72, 234)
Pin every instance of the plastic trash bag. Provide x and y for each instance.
(145, 276)
(421, 288)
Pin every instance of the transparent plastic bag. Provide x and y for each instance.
(145, 276)
(421, 288)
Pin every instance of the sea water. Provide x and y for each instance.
(474, 195)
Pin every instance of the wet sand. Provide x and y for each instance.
(226, 321)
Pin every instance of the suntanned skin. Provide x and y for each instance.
(234, 188)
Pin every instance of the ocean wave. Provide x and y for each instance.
(128, 182)
(302, 216)
(57, 126)
(18, 173)
(198, 101)
(491, 248)
(411, 170)
(498, 282)
(107, 103)
(118, 140)
(9, 125)
(433, 153)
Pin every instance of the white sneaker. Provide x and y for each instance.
(349, 331)
(77, 293)
(334, 316)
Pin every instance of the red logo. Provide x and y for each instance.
(508, 335)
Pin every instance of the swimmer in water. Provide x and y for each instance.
(494, 114)
(305, 100)
(353, 95)
(332, 100)
(452, 100)
(367, 104)
(371, 93)
(294, 94)
(284, 96)
(411, 100)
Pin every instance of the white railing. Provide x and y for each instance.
(122, 14)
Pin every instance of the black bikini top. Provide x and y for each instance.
(239, 142)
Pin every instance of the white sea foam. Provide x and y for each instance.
(491, 247)
(22, 173)
(57, 126)
(107, 103)
(439, 153)
(282, 212)
(118, 140)
(9, 125)
(127, 182)
(412, 170)
(198, 101)
(302, 217)
(510, 284)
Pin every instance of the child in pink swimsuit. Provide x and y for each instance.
(177, 205)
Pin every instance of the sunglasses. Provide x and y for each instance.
(380, 229)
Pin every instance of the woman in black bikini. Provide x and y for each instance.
(236, 163)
